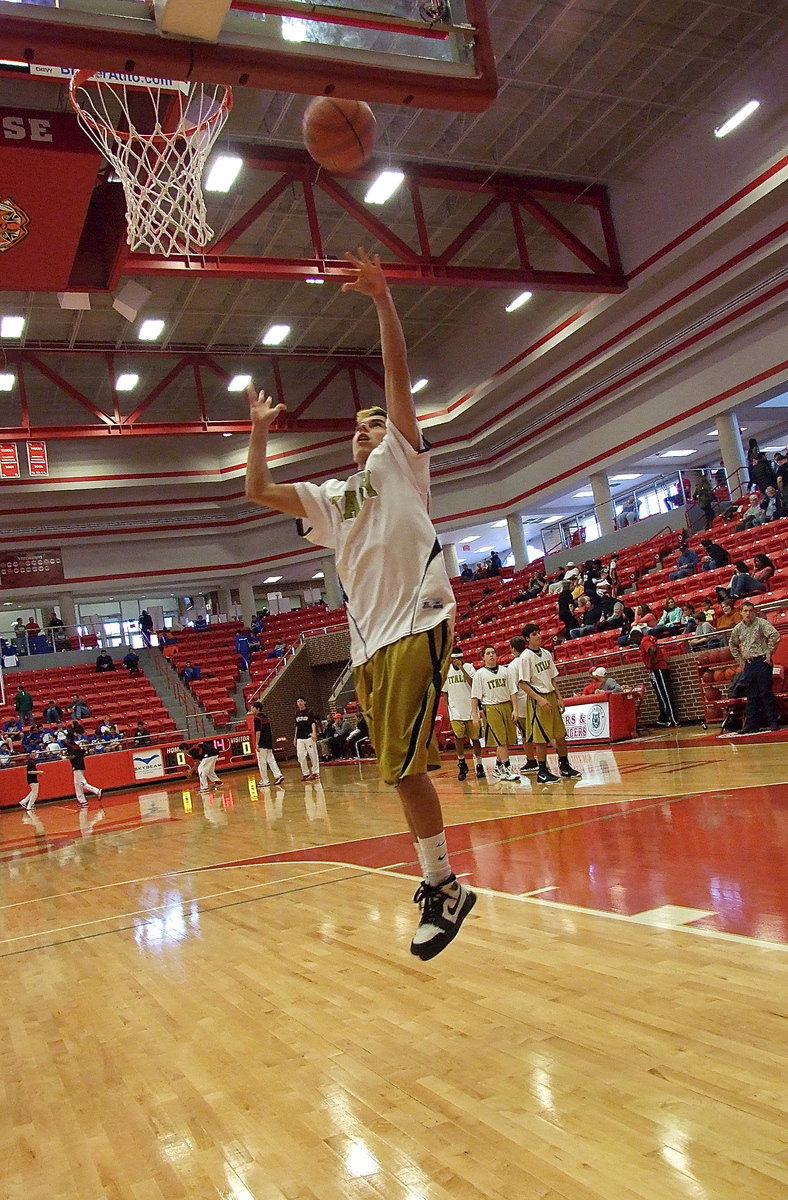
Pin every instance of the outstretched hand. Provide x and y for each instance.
(370, 280)
(262, 409)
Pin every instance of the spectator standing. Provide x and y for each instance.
(656, 663)
(76, 756)
(495, 564)
(146, 627)
(264, 746)
(761, 474)
(457, 690)
(20, 636)
(752, 643)
(23, 703)
(753, 451)
(307, 731)
(566, 608)
(544, 722)
(704, 498)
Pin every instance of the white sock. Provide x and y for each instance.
(435, 859)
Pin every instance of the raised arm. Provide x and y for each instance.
(371, 281)
(260, 485)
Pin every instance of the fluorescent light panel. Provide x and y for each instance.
(780, 401)
(318, 575)
(585, 492)
(518, 301)
(272, 579)
(12, 327)
(315, 280)
(223, 173)
(238, 383)
(623, 478)
(419, 385)
(384, 187)
(275, 335)
(150, 329)
(549, 520)
(7, 383)
(498, 524)
(293, 30)
(733, 122)
(676, 453)
(126, 383)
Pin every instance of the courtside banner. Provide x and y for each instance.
(37, 460)
(9, 461)
(30, 568)
(587, 722)
(147, 764)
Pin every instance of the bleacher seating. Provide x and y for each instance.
(122, 698)
(285, 629)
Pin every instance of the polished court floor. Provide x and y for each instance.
(213, 997)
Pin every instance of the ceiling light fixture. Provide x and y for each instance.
(238, 383)
(676, 453)
(623, 478)
(519, 301)
(223, 173)
(6, 383)
(150, 329)
(272, 579)
(12, 327)
(419, 385)
(126, 383)
(733, 122)
(499, 524)
(275, 335)
(315, 280)
(227, 435)
(550, 520)
(318, 575)
(293, 30)
(384, 187)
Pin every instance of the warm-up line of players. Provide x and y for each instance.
(500, 699)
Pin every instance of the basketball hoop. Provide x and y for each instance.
(157, 134)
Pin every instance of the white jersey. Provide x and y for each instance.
(520, 698)
(387, 553)
(458, 691)
(491, 685)
(538, 669)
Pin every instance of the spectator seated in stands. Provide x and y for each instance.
(629, 512)
(763, 568)
(12, 726)
(687, 564)
(466, 572)
(167, 638)
(742, 584)
(716, 556)
(707, 638)
(190, 672)
(79, 707)
(772, 505)
(201, 623)
(131, 662)
(104, 662)
(752, 514)
(587, 615)
(359, 735)
(620, 618)
(689, 618)
(671, 621)
(141, 735)
(277, 652)
(338, 737)
(52, 713)
(32, 738)
(601, 682)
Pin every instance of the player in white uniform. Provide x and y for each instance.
(457, 689)
(491, 691)
(544, 722)
(520, 700)
(399, 600)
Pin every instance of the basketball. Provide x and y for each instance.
(339, 134)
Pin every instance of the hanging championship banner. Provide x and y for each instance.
(29, 568)
(37, 460)
(9, 461)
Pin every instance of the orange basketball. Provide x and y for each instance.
(339, 134)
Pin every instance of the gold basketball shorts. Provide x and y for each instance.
(398, 690)
(500, 727)
(465, 729)
(544, 725)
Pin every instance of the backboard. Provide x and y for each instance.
(421, 53)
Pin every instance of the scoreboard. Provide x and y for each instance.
(235, 750)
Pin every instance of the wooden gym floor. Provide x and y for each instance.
(215, 1000)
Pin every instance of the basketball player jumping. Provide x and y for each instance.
(400, 603)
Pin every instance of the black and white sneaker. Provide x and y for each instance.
(530, 765)
(462, 770)
(279, 781)
(567, 771)
(443, 910)
(480, 771)
(545, 776)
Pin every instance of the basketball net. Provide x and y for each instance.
(157, 135)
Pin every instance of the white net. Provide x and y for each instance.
(157, 135)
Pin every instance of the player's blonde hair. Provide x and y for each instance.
(364, 413)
